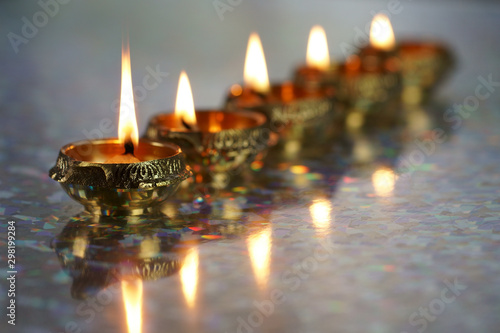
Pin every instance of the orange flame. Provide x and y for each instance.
(259, 248)
(189, 276)
(127, 124)
(132, 297)
(255, 73)
(317, 49)
(381, 33)
(184, 102)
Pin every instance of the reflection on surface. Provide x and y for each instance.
(150, 247)
(321, 215)
(231, 210)
(383, 181)
(132, 298)
(259, 250)
(80, 246)
(418, 120)
(99, 251)
(189, 276)
(364, 151)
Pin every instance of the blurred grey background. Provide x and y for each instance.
(65, 77)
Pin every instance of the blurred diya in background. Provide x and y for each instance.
(319, 72)
(370, 81)
(424, 64)
(303, 118)
(217, 143)
(124, 176)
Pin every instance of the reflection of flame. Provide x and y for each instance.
(321, 214)
(214, 122)
(363, 150)
(381, 33)
(184, 103)
(317, 49)
(383, 182)
(287, 91)
(255, 73)
(150, 247)
(127, 124)
(189, 276)
(132, 297)
(231, 210)
(80, 246)
(259, 248)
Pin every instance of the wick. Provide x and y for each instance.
(189, 127)
(186, 124)
(129, 148)
(260, 94)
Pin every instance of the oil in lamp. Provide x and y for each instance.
(125, 176)
(217, 143)
(370, 82)
(303, 118)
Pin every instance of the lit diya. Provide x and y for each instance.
(318, 72)
(303, 118)
(124, 176)
(371, 80)
(217, 143)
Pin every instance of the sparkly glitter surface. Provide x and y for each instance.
(392, 231)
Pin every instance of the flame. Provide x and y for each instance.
(321, 214)
(317, 49)
(381, 33)
(189, 276)
(132, 297)
(259, 248)
(383, 181)
(255, 73)
(127, 123)
(184, 102)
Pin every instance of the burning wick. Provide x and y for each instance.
(126, 157)
(186, 125)
(129, 148)
(127, 124)
(184, 104)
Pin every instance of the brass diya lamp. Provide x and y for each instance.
(217, 143)
(370, 81)
(424, 64)
(121, 176)
(320, 75)
(303, 118)
(318, 72)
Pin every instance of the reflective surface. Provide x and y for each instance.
(394, 231)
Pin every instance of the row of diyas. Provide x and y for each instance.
(132, 176)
